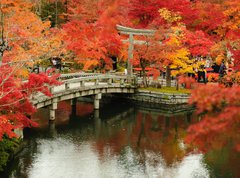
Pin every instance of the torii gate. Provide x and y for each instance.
(131, 32)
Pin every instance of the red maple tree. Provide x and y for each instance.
(221, 120)
(16, 95)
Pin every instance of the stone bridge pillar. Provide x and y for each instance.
(97, 98)
(53, 108)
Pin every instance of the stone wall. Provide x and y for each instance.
(160, 98)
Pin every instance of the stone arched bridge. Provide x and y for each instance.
(77, 85)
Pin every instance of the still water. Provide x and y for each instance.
(122, 140)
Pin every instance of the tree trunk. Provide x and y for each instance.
(1, 59)
(143, 66)
(145, 83)
(56, 13)
(177, 85)
(1, 38)
(168, 76)
(3, 43)
(66, 6)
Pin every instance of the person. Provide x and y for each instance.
(222, 70)
(125, 71)
(192, 73)
(215, 67)
(201, 73)
(36, 68)
(54, 62)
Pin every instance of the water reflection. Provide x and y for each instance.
(120, 141)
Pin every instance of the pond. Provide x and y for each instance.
(121, 140)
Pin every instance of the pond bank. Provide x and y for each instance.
(9, 148)
(159, 97)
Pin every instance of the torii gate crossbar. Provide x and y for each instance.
(131, 32)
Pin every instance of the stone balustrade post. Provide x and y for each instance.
(96, 81)
(51, 90)
(82, 83)
(122, 81)
(67, 86)
(110, 81)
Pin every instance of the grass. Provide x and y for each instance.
(168, 90)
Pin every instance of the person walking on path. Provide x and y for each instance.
(222, 70)
(201, 74)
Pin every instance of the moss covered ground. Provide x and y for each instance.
(7, 149)
(168, 90)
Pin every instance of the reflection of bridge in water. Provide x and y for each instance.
(105, 121)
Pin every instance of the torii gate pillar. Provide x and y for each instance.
(130, 56)
(131, 32)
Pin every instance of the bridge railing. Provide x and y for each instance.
(94, 81)
(77, 75)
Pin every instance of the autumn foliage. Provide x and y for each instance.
(219, 125)
(24, 39)
(16, 95)
(186, 33)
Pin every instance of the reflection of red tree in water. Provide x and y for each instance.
(160, 134)
(62, 113)
(148, 133)
(84, 109)
(64, 109)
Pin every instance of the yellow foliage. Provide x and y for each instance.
(90, 63)
(23, 73)
(169, 16)
(219, 59)
(218, 48)
(181, 61)
(174, 41)
(232, 12)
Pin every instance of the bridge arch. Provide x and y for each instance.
(84, 85)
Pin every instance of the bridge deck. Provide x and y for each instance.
(79, 85)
